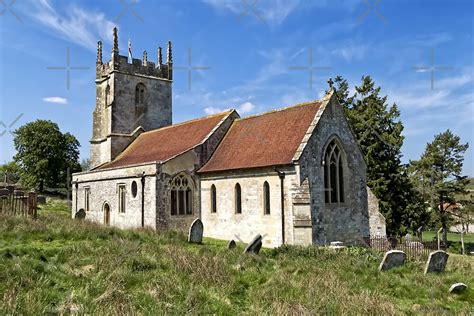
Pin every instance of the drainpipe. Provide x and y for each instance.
(143, 198)
(281, 175)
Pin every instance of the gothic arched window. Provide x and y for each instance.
(333, 174)
(238, 199)
(181, 196)
(213, 199)
(266, 198)
(140, 94)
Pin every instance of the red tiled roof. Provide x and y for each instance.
(164, 143)
(263, 140)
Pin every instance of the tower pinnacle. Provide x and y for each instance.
(115, 48)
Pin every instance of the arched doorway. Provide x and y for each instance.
(106, 214)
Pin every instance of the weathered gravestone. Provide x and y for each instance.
(255, 245)
(437, 261)
(392, 259)
(196, 231)
(81, 214)
(231, 244)
(336, 245)
(457, 288)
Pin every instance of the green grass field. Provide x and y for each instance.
(57, 265)
(454, 241)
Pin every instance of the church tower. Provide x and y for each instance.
(130, 99)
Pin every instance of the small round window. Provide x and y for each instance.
(134, 188)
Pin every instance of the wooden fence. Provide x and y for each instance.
(18, 202)
(414, 249)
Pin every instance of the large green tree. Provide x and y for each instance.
(44, 154)
(9, 173)
(440, 172)
(378, 130)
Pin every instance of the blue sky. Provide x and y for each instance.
(250, 49)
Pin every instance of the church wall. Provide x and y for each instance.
(376, 219)
(301, 209)
(185, 164)
(349, 221)
(157, 103)
(226, 224)
(103, 186)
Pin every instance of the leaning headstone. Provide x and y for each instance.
(408, 238)
(457, 288)
(255, 245)
(437, 261)
(231, 244)
(392, 259)
(196, 231)
(81, 214)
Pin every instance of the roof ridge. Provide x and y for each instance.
(281, 109)
(189, 121)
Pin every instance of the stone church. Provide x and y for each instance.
(294, 175)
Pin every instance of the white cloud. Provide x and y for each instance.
(244, 108)
(76, 25)
(57, 100)
(213, 110)
(272, 12)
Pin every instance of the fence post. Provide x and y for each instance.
(439, 240)
(32, 204)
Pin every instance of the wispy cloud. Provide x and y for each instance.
(275, 12)
(75, 24)
(57, 100)
(244, 108)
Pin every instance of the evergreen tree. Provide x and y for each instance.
(441, 163)
(378, 130)
(44, 154)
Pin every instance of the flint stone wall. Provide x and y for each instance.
(347, 222)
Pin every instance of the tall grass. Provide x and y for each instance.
(59, 265)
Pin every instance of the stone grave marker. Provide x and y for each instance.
(231, 244)
(255, 245)
(336, 245)
(457, 288)
(81, 214)
(196, 231)
(436, 261)
(392, 259)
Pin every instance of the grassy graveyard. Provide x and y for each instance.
(58, 265)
